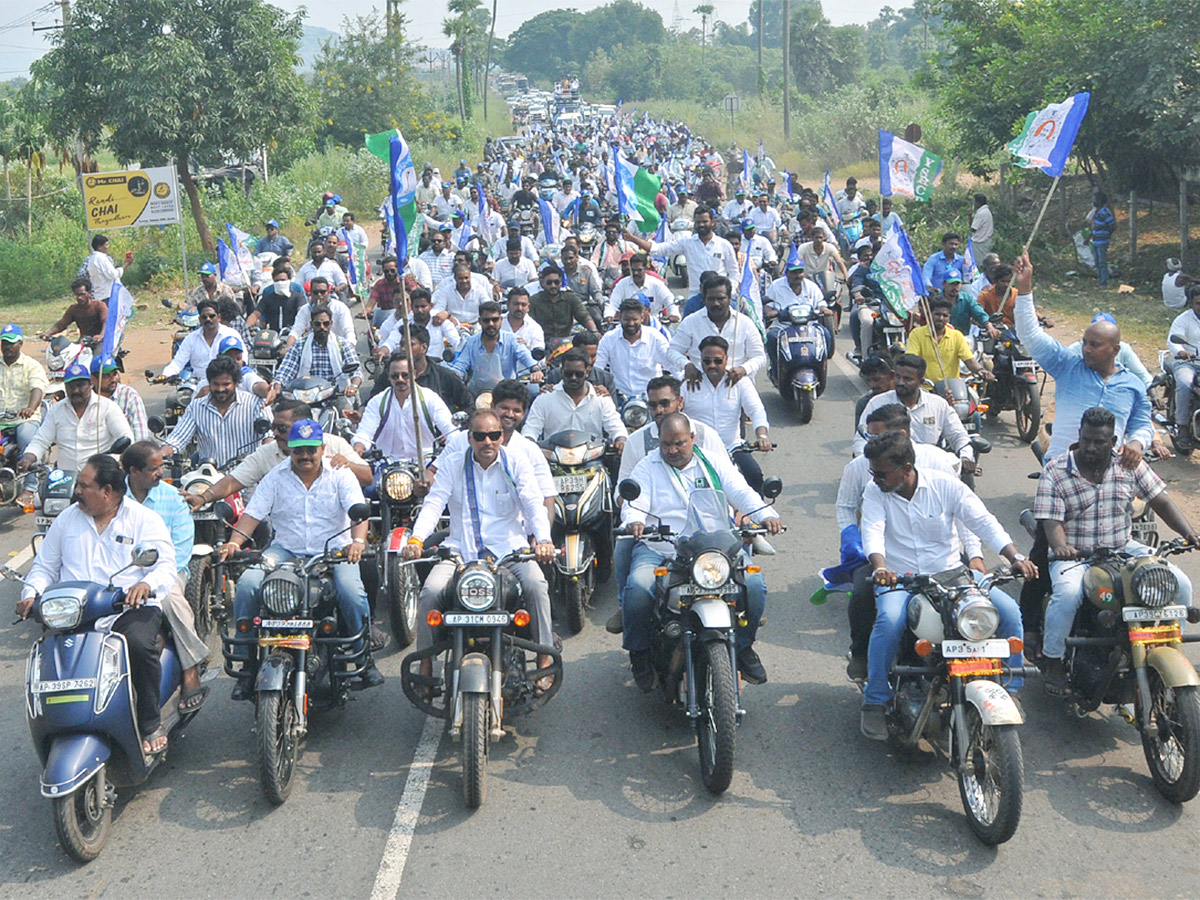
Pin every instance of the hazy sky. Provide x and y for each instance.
(19, 46)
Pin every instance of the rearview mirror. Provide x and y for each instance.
(447, 355)
(156, 424)
(349, 368)
(1177, 339)
(772, 488)
(262, 426)
(359, 512)
(538, 353)
(629, 489)
(144, 556)
(120, 445)
(225, 512)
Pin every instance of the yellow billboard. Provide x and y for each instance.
(136, 197)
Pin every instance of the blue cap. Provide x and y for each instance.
(953, 276)
(230, 342)
(76, 372)
(445, 226)
(306, 433)
(272, 223)
(103, 364)
(11, 333)
(645, 301)
(458, 214)
(748, 225)
(1104, 317)
(208, 269)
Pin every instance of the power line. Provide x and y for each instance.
(28, 18)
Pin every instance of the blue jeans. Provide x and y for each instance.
(347, 584)
(891, 607)
(1101, 252)
(622, 563)
(637, 607)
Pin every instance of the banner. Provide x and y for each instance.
(896, 269)
(120, 308)
(906, 169)
(125, 199)
(1048, 135)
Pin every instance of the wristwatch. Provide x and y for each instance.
(1020, 557)
(358, 541)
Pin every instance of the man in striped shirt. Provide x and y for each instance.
(222, 421)
(106, 380)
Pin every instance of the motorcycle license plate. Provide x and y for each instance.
(459, 618)
(43, 521)
(692, 590)
(570, 484)
(70, 684)
(288, 624)
(1143, 614)
(993, 649)
(1019, 364)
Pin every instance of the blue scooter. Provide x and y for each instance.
(81, 710)
(799, 354)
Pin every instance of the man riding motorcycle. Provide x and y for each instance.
(1182, 365)
(23, 384)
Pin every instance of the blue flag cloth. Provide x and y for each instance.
(353, 273)
(120, 309)
(660, 237)
(969, 267)
(841, 576)
(793, 260)
(549, 220)
(403, 194)
(787, 186)
(747, 279)
(1048, 135)
(227, 264)
(745, 177)
(834, 215)
(910, 258)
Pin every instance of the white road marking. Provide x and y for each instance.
(19, 559)
(395, 851)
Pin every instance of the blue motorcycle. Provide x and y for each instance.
(81, 710)
(799, 351)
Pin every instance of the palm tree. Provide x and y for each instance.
(452, 29)
(487, 68)
(704, 10)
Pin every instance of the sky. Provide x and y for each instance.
(20, 46)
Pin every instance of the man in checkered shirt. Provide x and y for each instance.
(1084, 501)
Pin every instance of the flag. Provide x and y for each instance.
(841, 577)
(896, 269)
(482, 223)
(378, 144)
(403, 193)
(745, 176)
(827, 192)
(636, 190)
(228, 269)
(787, 186)
(969, 267)
(464, 235)
(549, 221)
(747, 285)
(660, 237)
(120, 309)
(240, 244)
(906, 169)
(1048, 135)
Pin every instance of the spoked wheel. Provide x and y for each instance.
(474, 749)
(277, 748)
(992, 781)
(199, 592)
(82, 820)
(1028, 406)
(804, 406)
(403, 596)
(716, 729)
(1173, 753)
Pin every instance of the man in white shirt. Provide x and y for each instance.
(667, 476)
(200, 347)
(321, 294)
(458, 298)
(574, 404)
(982, 228)
(100, 268)
(82, 424)
(565, 197)
(849, 201)
(765, 218)
(519, 323)
(721, 406)
(737, 208)
(640, 281)
(495, 506)
(387, 418)
(323, 266)
(908, 525)
(747, 355)
(308, 502)
(704, 251)
(93, 540)
(887, 217)
(761, 250)
(633, 354)
(514, 269)
(446, 203)
(1183, 362)
(439, 258)
(428, 189)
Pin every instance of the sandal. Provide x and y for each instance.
(155, 742)
(192, 701)
(379, 639)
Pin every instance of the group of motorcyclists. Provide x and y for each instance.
(499, 333)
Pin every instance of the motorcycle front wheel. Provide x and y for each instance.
(275, 727)
(403, 594)
(1173, 754)
(199, 594)
(82, 821)
(1028, 407)
(578, 592)
(716, 729)
(473, 749)
(991, 783)
(805, 401)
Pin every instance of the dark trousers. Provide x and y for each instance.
(749, 468)
(140, 627)
(861, 611)
(1034, 593)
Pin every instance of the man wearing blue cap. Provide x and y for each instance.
(251, 382)
(82, 425)
(308, 502)
(23, 383)
(792, 287)
(106, 381)
(274, 242)
(210, 287)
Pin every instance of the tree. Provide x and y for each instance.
(541, 47)
(201, 81)
(704, 10)
(464, 29)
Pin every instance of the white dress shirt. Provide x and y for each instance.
(507, 497)
(530, 334)
(73, 551)
(918, 535)
(721, 406)
(508, 275)
(305, 518)
(780, 294)
(397, 438)
(556, 411)
(717, 256)
(656, 289)
(343, 321)
(416, 267)
(931, 420)
(391, 336)
(78, 437)
(329, 270)
(765, 221)
(518, 445)
(645, 440)
(196, 352)
(745, 343)
(464, 309)
(760, 249)
(633, 364)
(103, 274)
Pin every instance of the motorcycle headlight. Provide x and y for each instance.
(710, 570)
(110, 674)
(398, 485)
(1154, 585)
(635, 415)
(483, 400)
(282, 593)
(52, 506)
(307, 395)
(477, 590)
(61, 613)
(976, 618)
(570, 456)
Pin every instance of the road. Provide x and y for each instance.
(598, 794)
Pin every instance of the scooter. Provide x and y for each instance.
(81, 711)
(801, 361)
(1185, 439)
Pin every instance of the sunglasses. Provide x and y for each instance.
(489, 319)
(320, 292)
(573, 375)
(209, 318)
(481, 436)
(306, 450)
(324, 326)
(399, 376)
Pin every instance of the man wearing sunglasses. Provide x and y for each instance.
(492, 355)
(200, 347)
(387, 419)
(574, 404)
(321, 353)
(321, 294)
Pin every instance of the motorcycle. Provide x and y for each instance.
(802, 359)
(61, 352)
(1184, 440)
(299, 647)
(1125, 649)
(186, 320)
(81, 711)
(267, 350)
(948, 690)
(1016, 385)
(184, 388)
(327, 399)
(391, 521)
(700, 600)
(582, 527)
(10, 482)
(486, 676)
(888, 332)
(680, 229)
(635, 411)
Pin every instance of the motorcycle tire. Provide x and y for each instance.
(1173, 754)
(805, 402)
(1028, 407)
(199, 593)
(991, 784)
(1181, 449)
(403, 596)
(577, 595)
(277, 745)
(82, 821)
(473, 749)
(716, 728)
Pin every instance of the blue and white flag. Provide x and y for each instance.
(549, 221)
(827, 193)
(623, 174)
(464, 235)
(1048, 135)
(906, 168)
(969, 267)
(787, 186)
(746, 288)
(744, 178)
(352, 273)
(482, 223)
(240, 243)
(660, 237)
(898, 273)
(228, 269)
(120, 310)
(403, 194)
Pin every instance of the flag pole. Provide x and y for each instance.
(928, 314)
(412, 374)
(1042, 213)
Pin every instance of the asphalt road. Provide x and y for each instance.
(598, 794)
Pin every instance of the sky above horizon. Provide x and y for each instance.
(20, 46)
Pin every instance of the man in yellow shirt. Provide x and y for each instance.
(945, 348)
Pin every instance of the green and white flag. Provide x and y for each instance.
(636, 190)
(906, 169)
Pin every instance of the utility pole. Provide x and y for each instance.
(787, 83)
(761, 77)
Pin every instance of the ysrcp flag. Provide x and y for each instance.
(827, 193)
(120, 310)
(1049, 134)
(896, 269)
(240, 243)
(404, 193)
(906, 169)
